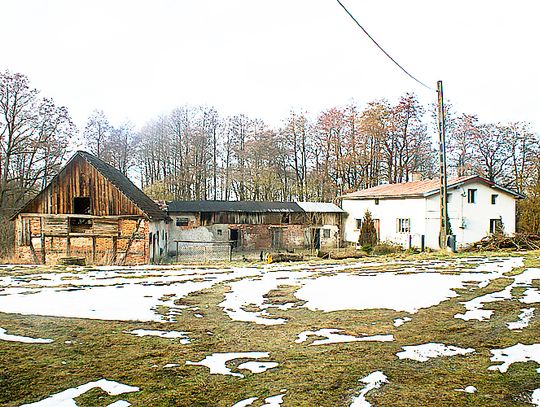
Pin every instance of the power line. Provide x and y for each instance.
(382, 49)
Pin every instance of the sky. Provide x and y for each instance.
(137, 59)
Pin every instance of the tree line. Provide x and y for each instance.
(194, 152)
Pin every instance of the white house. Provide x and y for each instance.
(408, 213)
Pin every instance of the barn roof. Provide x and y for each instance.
(418, 189)
(122, 183)
(233, 206)
(320, 207)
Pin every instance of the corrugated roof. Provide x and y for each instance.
(233, 206)
(418, 188)
(320, 207)
(128, 188)
(252, 207)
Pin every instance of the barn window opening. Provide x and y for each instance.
(285, 218)
(182, 221)
(81, 206)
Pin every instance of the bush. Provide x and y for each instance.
(387, 248)
(368, 233)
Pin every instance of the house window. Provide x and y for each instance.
(471, 196)
(182, 221)
(403, 225)
(495, 226)
(220, 232)
(326, 233)
(448, 198)
(494, 199)
(376, 201)
(358, 224)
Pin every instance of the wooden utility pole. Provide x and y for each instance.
(442, 169)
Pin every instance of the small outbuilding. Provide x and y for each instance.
(90, 210)
(252, 226)
(409, 213)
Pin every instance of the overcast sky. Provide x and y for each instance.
(138, 59)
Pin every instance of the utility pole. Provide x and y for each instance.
(442, 169)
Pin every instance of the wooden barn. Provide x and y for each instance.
(90, 210)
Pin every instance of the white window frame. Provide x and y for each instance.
(403, 225)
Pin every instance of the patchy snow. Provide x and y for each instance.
(24, 339)
(400, 321)
(531, 295)
(273, 401)
(475, 306)
(251, 292)
(430, 350)
(468, 389)
(515, 354)
(162, 334)
(135, 293)
(217, 361)
(120, 403)
(523, 319)
(66, 397)
(246, 402)
(169, 365)
(257, 367)
(400, 292)
(333, 336)
(535, 398)
(373, 381)
(110, 295)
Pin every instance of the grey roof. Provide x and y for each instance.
(320, 207)
(128, 188)
(233, 206)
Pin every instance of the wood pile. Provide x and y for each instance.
(519, 241)
(72, 261)
(341, 254)
(279, 257)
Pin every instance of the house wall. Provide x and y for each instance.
(469, 221)
(387, 212)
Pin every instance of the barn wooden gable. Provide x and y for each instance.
(110, 193)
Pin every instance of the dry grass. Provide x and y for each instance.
(313, 375)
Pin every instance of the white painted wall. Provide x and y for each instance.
(470, 221)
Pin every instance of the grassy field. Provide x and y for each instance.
(86, 350)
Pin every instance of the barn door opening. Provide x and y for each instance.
(277, 238)
(317, 239)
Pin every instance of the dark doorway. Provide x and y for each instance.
(234, 238)
(81, 206)
(317, 239)
(277, 238)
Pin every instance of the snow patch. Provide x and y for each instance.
(468, 389)
(217, 361)
(257, 367)
(66, 397)
(515, 354)
(273, 401)
(246, 402)
(162, 334)
(333, 336)
(24, 339)
(373, 381)
(400, 321)
(426, 351)
(523, 319)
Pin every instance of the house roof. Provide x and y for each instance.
(418, 189)
(121, 182)
(251, 206)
